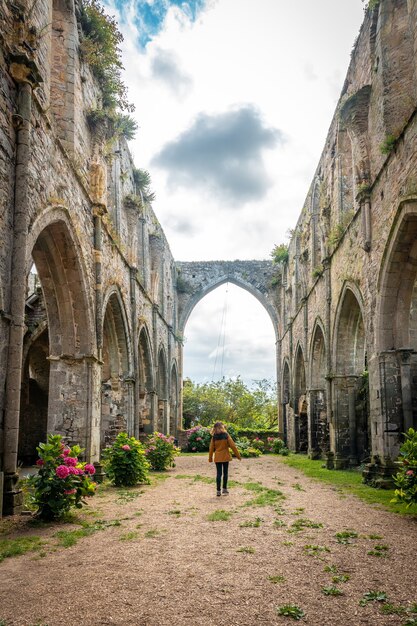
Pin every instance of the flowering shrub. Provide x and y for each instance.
(275, 445)
(246, 449)
(406, 478)
(198, 439)
(62, 480)
(126, 463)
(258, 444)
(161, 451)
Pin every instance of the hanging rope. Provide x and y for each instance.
(222, 335)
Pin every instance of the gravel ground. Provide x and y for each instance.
(159, 561)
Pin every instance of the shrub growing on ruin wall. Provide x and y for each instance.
(62, 481)
(125, 462)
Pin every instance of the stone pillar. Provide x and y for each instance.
(353, 455)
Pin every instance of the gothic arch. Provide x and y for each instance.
(174, 399)
(116, 379)
(146, 382)
(300, 401)
(318, 422)
(162, 391)
(351, 415)
(316, 248)
(286, 397)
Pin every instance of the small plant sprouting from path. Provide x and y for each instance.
(340, 578)
(277, 579)
(332, 569)
(175, 512)
(252, 523)
(345, 536)
(152, 533)
(246, 549)
(374, 536)
(129, 536)
(379, 550)
(314, 550)
(297, 487)
(291, 610)
(279, 523)
(219, 516)
(331, 590)
(302, 523)
(373, 596)
(391, 609)
(298, 510)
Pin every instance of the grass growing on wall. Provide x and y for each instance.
(348, 482)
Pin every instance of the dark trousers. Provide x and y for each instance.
(222, 468)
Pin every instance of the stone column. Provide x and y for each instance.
(353, 455)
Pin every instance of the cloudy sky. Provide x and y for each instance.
(233, 99)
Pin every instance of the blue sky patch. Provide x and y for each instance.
(150, 15)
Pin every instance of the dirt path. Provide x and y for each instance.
(166, 564)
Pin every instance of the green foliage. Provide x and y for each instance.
(345, 536)
(317, 271)
(314, 550)
(291, 610)
(331, 590)
(126, 463)
(406, 478)
(16, 547)
(112, 124)
(341, 578)
(62, 480)
(391, 609)
(373, 4)
(231, 401)
(388, 144)
(412, 621)
(302, 523)
(161, 451)
(100, 49)
(247, 549)
(219, 516)
(373, 596)
(379, 550)
(280, 253)
(276, 579)
(198, 439)
(275, 445)
(246, 449)
(265, 497)
(142, 180)
(252, 523)
(349, 482)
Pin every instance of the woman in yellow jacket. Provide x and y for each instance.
(220, 443)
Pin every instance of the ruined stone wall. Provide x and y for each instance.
(366, 173)
(90, 235)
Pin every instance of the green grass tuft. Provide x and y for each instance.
(16, 547)
(219, 516)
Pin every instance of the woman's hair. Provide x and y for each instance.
(218, 428)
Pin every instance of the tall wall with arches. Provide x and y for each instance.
(348, 351)
(88, 323)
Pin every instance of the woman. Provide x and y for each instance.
(220, 443)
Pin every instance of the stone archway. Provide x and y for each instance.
(146, 383)
(300, 402)
(318, 423)
(162, 392)
(351, 423)
(116, 381)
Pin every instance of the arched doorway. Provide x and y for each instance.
(318, 427)
(300, 403)
(146, 384)
(69, 343)
(116, 383)
(162, 392)
(351, 423)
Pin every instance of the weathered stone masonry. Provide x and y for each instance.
(90, 343)
(93, 348)
(348, 294)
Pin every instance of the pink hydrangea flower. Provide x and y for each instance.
(73, 470)
(198, 438)
(66, 452)
(62, 471)
(70, 460)
(194, 448)
(126, 447)
(410, 473)
(40, 462)
(70, 492)
(90, 469)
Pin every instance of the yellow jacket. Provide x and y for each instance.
(220, 449)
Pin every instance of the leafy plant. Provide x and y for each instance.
(62, 481)
(280, 253)
(279, 523)
(297, 487)
(219, 516)
(391, 609)
(100, 49)
(198, 439)
(161, 451)
(332, 591)
(291, 610)
(252, 523)
(379, 550)
(126, 462)
(303, 522)
(277, 579)
(373, 596)
(388, 144)
(341, 578)
(412, 621)
(246, 549)
(406, 478)
(345, 536)
(142, 180)
(315, 550)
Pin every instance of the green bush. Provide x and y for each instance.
(198, 439)
(62, 480)
(406, 478)
(126, 463)
(246, 449)
(161, 451)
(258, 444)
(275, 445)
